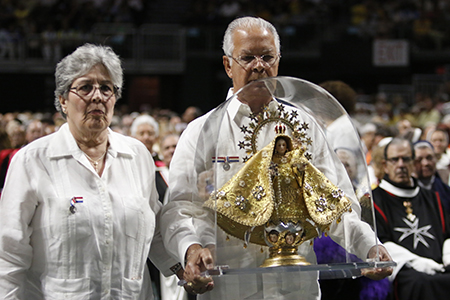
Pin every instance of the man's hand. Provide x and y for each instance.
(426, 265)
(378, 273)
(198, 260)
(446, 253)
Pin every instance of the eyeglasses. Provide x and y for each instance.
(394, 160)
(248, 61)
(87, 90)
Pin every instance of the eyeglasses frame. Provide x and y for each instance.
(115, 91)
(257, 57)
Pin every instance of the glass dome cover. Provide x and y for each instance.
(271, 178)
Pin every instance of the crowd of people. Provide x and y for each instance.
(95, 199)
(47, 26)
(423, 22)
(21, 128)
(426, 121)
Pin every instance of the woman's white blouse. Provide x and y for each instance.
(98, 251)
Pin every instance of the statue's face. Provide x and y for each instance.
(273, 236)
(281, 146)
(289, 239)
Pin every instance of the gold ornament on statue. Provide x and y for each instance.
(278, 198)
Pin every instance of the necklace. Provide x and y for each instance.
(96, 161)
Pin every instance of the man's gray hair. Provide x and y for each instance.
(144, 119)
(422, 144)
(80, 62)
(399, 141)
(247, 22)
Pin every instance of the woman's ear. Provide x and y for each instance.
(63, 103)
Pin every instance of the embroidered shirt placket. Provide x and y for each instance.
(64, 191)
(107, 249)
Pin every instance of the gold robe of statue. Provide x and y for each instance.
(265, 194)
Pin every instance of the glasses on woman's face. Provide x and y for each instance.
(87, 90)
(249, 61)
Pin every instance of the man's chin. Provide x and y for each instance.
(404, 181)
(427, 174)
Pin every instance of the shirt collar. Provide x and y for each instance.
(64, 144)
(238, 110)
(398, 191)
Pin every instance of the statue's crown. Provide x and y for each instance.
(280, 129)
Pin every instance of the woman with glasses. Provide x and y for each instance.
(77, 214)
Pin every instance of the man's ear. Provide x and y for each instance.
(227, 66)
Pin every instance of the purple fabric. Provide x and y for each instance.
(327, 251)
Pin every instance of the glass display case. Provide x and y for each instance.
(275, 179)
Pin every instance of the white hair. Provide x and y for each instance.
(247, 22)
(144, 119)
(366, 128)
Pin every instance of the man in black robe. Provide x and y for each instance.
(412, 225)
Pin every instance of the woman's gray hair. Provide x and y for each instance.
(247, 22)
(144, 119)
(80, 62)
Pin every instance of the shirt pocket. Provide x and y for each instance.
(139, 229)
(131, 288)
(137, 217)
(63, 223)
(58, 288)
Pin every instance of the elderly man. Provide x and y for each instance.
(428, 177)
(413, 227)
(439, 139)
(252, 51)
